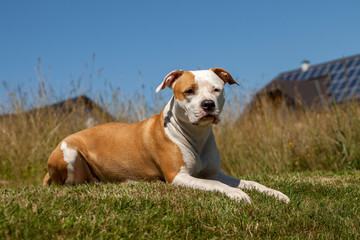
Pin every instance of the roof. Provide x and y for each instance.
(69, 103)
(67, 106)
(342, 78)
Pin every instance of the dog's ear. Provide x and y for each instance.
(170, 79)
(224, 75)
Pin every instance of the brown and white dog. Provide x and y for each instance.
(177, 146)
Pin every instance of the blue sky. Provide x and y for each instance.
(253, 40)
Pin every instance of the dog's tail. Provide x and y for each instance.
(47, 180)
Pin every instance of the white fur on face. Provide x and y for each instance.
(69, 157)
(207, 81)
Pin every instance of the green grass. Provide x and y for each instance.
(324, 205)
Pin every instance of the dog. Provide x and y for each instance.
(176, 146)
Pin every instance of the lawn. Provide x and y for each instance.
(324, 205)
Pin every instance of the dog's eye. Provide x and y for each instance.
(189, 91)
(217, 90)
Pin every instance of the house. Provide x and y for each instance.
(90, 110)
(77, 107)
(316, 86)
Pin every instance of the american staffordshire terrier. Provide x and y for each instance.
(176, 146)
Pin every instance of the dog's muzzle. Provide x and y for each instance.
(208, 106)
(209, 118)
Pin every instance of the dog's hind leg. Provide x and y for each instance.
(67, 166)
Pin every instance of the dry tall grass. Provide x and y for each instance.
(267, 140)
(281, 139)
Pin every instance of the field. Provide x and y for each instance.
(311, 156)
(324, 205)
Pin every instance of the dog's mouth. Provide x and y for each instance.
(209, 118)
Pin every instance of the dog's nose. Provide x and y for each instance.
(208, 105)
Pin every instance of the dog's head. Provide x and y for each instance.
(199, 94)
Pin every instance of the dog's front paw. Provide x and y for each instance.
(239, 195)
(279, 195)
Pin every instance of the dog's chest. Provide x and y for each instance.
(195, 163)
(193, 157)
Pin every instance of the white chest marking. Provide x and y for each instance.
(188, 156)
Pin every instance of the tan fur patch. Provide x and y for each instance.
(185, 82)
(224, 75)
(119, 152)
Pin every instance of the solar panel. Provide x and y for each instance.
(332, 67)
(280, 78)
(341, 85)
(353, 93)
(288, 77)
(349, 64)
(338, 97)
(353, 83)
(311, 73)
(302, 76)
(357, 63)
(320, 72)
(296, 75)
(350, 73)
(332, 88)
(340, 76)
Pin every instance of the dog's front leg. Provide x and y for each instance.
(243, 184)
(185, 179)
